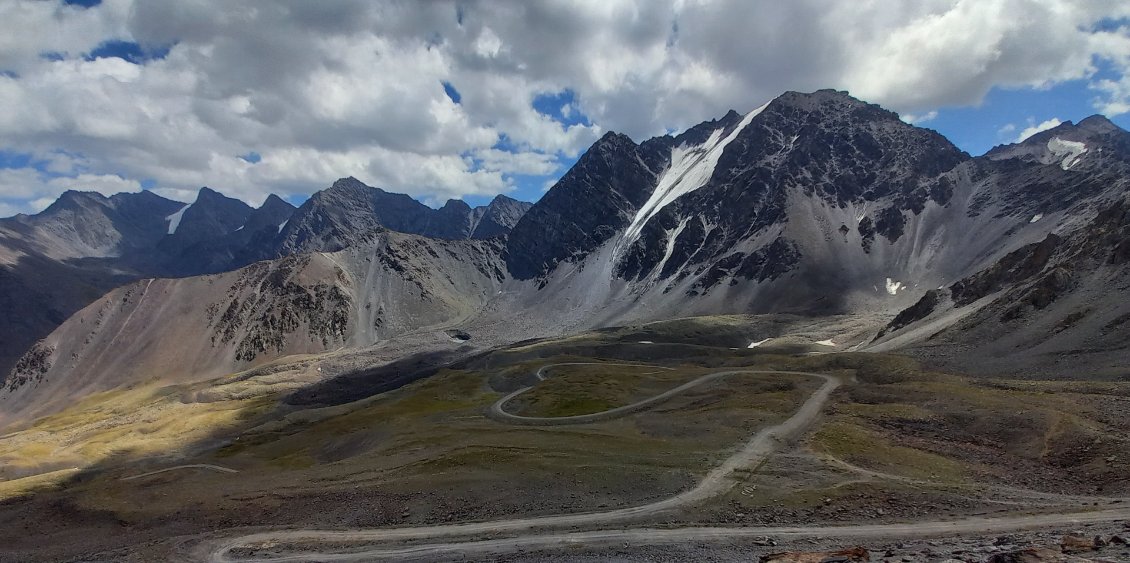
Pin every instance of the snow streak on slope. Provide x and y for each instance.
(1070, 151)
(174, 219)
(672, 236)
(690, 169)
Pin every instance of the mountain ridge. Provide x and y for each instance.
(814, 204)
(55, 262)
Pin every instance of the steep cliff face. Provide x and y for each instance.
(498, 217)
(588, 206)
(813, 202)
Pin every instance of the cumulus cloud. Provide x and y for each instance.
(1034, 128)
(920, 118)
(324, 90)
(25, 190)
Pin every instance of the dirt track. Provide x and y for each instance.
(190, 466)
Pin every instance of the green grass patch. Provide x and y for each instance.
(872, 450)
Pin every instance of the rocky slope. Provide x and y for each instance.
(54, 263)
(1057, 306)
(815, 203)
(819, 203)
(200, 327)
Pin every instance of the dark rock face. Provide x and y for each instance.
(202, 241)
(825, 144)
(1018, 266)
(212, 214)
(589, 205)
(920, 310)
(498, 217)
(335, 218)
(279, 308)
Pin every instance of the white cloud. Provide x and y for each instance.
(529, 163)
(27, 190)
(1034, 128)
(920, 118)
(324, 90)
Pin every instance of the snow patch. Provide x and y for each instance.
(759, 343)
(240, 228)
(1036, 217)
(174, 219)
(893, 287)
(690, 169)
(646, 342)
(861, 215)
(671, 236)
(1070, 151)
(283, 225)
(827, 342)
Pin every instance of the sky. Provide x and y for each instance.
(469, 99)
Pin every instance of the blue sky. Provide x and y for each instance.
(447, 99)
(1005, 113)
(999, 119)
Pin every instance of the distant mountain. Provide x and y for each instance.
(56, 262)
(498, 217)
(349, 211)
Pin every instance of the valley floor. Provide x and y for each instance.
(724, 450)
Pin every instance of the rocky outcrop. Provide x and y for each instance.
(849, 555)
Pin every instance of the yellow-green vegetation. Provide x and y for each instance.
(130, 423)
(583, 389)
(899, 419)
(858, 445)
(25, 485)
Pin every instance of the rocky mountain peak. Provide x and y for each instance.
(1099, 125)
(498, 217)
(456, 205)
(275, 202)
(210, 215)
(73, 200)
(348, 183)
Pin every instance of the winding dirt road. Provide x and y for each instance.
(537, 532)
(498, 412)
(208, 466)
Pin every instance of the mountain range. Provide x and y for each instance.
(812, 204)
(56, 262)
